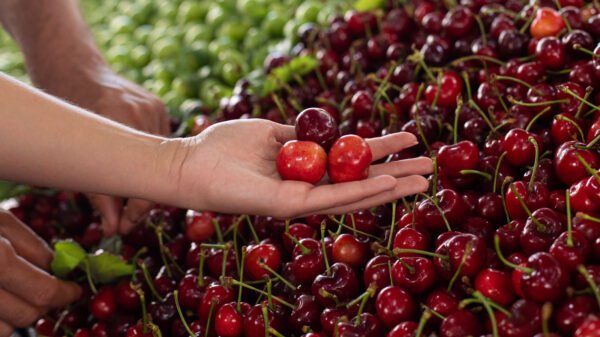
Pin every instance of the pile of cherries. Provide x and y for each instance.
(504, 95)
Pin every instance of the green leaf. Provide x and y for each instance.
(368, 5)
(303, 65)
(68, 255)
(10, 190)
(269, 85)
(106, 267)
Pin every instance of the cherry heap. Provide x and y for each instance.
(505, 96)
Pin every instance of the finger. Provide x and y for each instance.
(21, 313)
(283, 133)
(402, 168)
(395, 142)
(32, 284)
(110, 209)
(6, 330)
(133, 213)
(295, 198)
(25, 242)
(404, 187)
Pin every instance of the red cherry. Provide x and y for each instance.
(519, 150)
(496, 285)
(199, 226)
(215, 296)
(348, 249)
(568, 167)
(302, 160)
(589, 328)
(394, 305)
(317, 125)
(551, 52)
(547, 22)
(349, 159)
(454, 158)
(460, 323)
(450, 87)
(127, 298)
(229, 322)
(416, 274)
(259, 254)
(377, 272)
(104, 305)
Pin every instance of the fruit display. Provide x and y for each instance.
(504, 96)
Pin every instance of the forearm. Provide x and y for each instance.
(54, 39)
(47, 142)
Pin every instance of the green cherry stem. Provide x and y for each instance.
(506, 180)
(327, 266)
(509, 264)
(536, 104)
(583, 271)
(572, 122)
(482, 58)
(486, 304)
(527, 210)
(423, 322)
(89, 277)
(278, 276)
(180, 313)
(261, 292)
(569, 219)
(496, 170)
(588, 217)
(265, 313)
(516, 80)
(239, 297)
(252, 230)
(482, 114)
(482, 174)
(546, 315)
(466, 253)
(465, 77)
(536, 161)
(149, 282)
(581, 99)
(392, 225)
(536, 117)
(587, 166)
(459, 105)
(217, 227)
(588, 92)
(202, 259)
(435, 204)
(397, 251)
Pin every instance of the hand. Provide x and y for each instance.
(26, 290)
(100, 90)
(230, 168)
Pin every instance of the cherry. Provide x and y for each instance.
(199, 226)
(411, 238)
(496, 285)
(573, 312)
(404, 329)
(581, 200)
(463, 155)
(302, 160)
(539, 234)
(362, 220)
(589, 328)
(254, 321)
(458, 21)
(550, 52)
(512, 43)
(340, 283)
(126, 296)
(394, 305)
(81, 332)
(568, 167)
(297, 231)
(377, 272)
(362, 104)
(442, 301)
(349, 159)
(163, 312)
(416, 274)
(228, 321)
(214, 297)
(467, 252)
(260, 256)
(450, 86)
(460, 323)
(535, 199)
(490, 207)
(571, 254)
(138, 331)
(164, 283)
(306, 314)
(547, 22)
(331, 316)
(453, 208)
(350, 250)
(98, 329)
(104, 306)
(45, 327)
(305, 266)
(525, 320)
(190, 292)
(546, 281)
(519, 150)
(317, 125)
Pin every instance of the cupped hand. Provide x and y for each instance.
(100, 90)
(230, 168)
(27, 291)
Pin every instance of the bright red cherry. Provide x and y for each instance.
(348, 249)
(519, 150)
(104, 305)
(302, 160)
(229, 322)
(394, 305)
(349, 159)
(547, 22)
(256, 256)
(454, 158)
(450, 86)
(199, 226)
(589, 328)
(496, 285)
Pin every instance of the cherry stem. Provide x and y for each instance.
(149, 282)
(327, 267)
(482, 114)
(389, 265)
(527, 23)
(392, 225)
(516, 80)
(438, 84)
(481, 58)
(422, 322)
(265, 314)
(569, 219)
(536, 117)
(593, 142)
(254, 235)
(88, 276)
(546, 314)
(383, 86)
(279, 106)
(217, 230)
(397, 251)
(486, 304)
(356, 231)
(305, 251)
(275, 333)
(239, 298)
(468, 249)
(459, 105)
(161, 249)
(180, 313)
(572, 122)
(588, 217)
(536, 104)
(587, 166)
(262, 292)
(210, 314)
(142, 297)
(410, 268)
(585, 50)
(320, 78)
(482, 174)
(581, 99)
(434, 202)
(481, 29)
(353, 221)
(364, 298)
(270, 293)
(420, 132)
(277, 275)
(506, 180)
(201, 268)
(583, 271)
(536, 161)
(588, 92)
(539, 225)
(224, 263)
(213, 246)
(417, 57)
(509, 264)
(496, 170)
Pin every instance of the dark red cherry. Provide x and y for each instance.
(460, 323)
(551, 52)
(415, 274)
(317, 125)
(573, 312)
(341, 283)
(547, 281)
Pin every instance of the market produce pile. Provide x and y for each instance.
(503, 96)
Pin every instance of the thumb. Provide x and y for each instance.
(110, 209)
(133, 213)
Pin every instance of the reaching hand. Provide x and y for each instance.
(114, 97)
(26, 290)
(230, 168)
